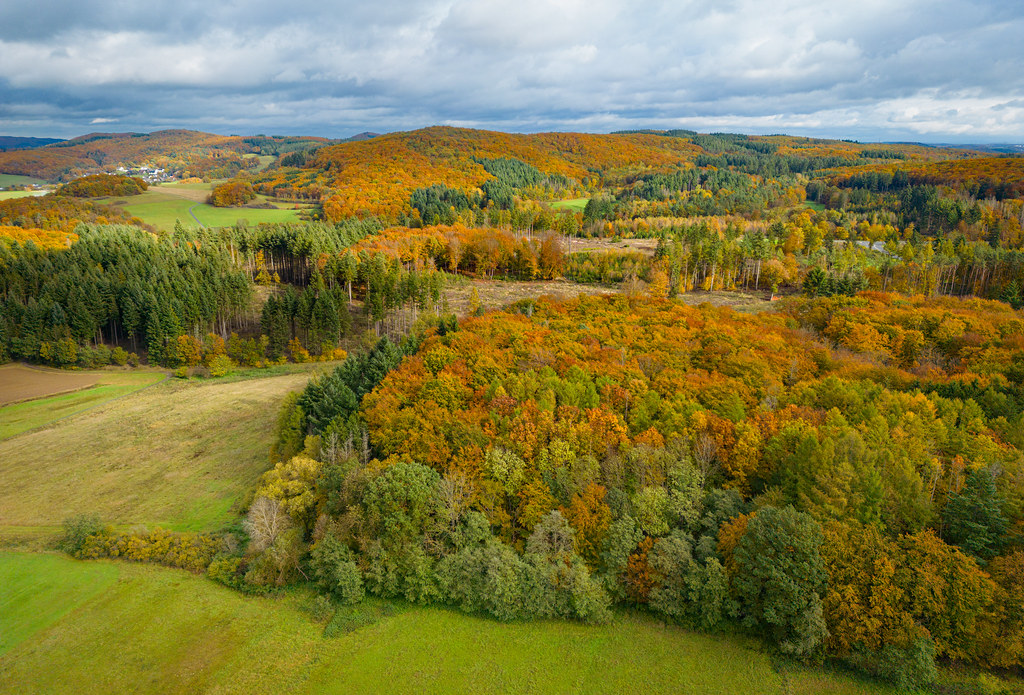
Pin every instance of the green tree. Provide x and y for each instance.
(973, 518)
(779, 578)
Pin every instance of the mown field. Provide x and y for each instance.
(181, 455)
(15, 180)
(162, 210)
(7, 195)
(101, 627)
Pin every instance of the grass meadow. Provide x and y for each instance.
(575, 204)
(181, 454)
(7, 195)
(101, 627)
(162, 209)
(16, 180)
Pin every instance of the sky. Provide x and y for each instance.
(940, 71)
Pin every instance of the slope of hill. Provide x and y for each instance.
(11, 142)
(184, 151)
(378, 176)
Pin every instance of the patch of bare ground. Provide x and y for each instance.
(497, 294)
(749, 302)
(644, 246)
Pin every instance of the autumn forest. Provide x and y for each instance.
(760, 386)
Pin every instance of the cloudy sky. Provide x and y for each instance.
(922, 70)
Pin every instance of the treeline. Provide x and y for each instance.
(100, 185)
(715, 468)
(514, 181)
(482, 252)
(62, 213)
(998, 178)
(693, 192)
(70, 300)
(291, 250)
(116, 284)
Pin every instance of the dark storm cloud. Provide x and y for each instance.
(916, 69)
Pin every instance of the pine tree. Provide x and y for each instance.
(973, 518)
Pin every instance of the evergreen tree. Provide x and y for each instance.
(973, 518)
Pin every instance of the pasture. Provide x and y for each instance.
(7, 195)
(120, 627)
(16, 180)
(182, 454)
(162, 209)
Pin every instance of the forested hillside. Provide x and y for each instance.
(186, 152)
(838, 473)
(843, 478)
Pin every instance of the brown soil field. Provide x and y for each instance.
(20, 383)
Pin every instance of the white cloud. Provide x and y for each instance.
(930, 67)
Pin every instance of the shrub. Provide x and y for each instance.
(77, 531)
(189, 551)
(118, 356)
(221, 365)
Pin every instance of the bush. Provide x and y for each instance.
(188, 551)
(779, 578)
(118, 356)
(77, 531)
(221, 365)
(910, 669)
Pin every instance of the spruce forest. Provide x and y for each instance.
(765, 389)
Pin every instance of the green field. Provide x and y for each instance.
(15, 180)
(101, 627)
(162, 210)
(576, 204)
(7, 195)
(21, 417)
(181, 455)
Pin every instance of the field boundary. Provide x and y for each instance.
(49, 395)
(166, 376)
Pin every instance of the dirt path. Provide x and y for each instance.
(190, 211)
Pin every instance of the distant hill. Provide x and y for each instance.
(378, 176)
(183, 152)
(11, 142)
(1004, 148)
